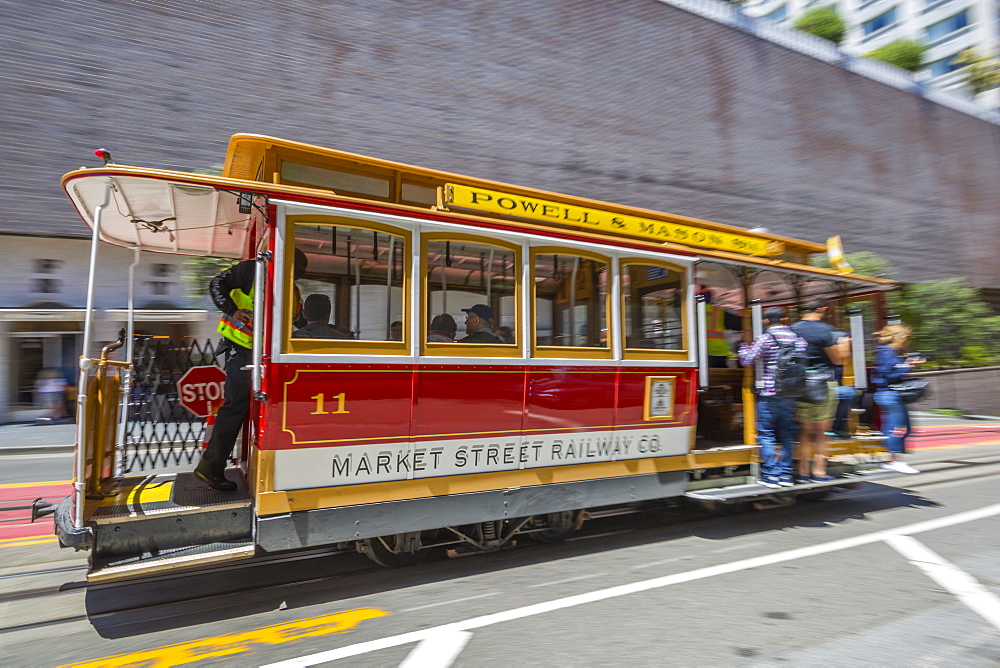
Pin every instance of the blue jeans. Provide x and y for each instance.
(775, 431)
(895, 420)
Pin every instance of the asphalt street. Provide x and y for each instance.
(846, 581)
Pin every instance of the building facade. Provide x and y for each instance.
(946, 27)
(43, 304)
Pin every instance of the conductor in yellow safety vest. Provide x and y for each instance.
(717, 322)
(233, 293)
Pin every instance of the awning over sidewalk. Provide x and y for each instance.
(108, 315)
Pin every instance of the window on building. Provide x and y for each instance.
(944, 66)
(353, 283)
(948, 26)
(467, 278)
(571, 301)
(778, 14)
(883, 20)
(653, 297)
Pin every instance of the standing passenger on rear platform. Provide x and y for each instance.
(775, 414)
(232, 291)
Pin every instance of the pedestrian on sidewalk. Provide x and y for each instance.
(50, 394)
(891, 364)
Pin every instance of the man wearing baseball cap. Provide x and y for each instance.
(479, 325)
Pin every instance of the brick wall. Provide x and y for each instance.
(971, 390)
(633, 101)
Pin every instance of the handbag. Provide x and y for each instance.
(817, 388)
(911, 389)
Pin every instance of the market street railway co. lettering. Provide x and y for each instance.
(478, 199)
(400, 461)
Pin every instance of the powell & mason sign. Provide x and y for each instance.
(492, 201)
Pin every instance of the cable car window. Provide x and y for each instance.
(772, 287)
(352, 287)
(471, 292)
(571, 297)
(653, 300)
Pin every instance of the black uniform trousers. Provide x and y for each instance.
(231, 416)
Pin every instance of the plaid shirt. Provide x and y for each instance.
(765, 347)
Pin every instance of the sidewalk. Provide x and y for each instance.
(929, 430)
(24, 439)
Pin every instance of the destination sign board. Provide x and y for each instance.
(519, 206)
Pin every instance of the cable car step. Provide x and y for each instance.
(162, 512)
(738, 492)
(107, 568)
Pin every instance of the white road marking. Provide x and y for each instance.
(438, 651)
(637, 587)
(965, 587)
(659, 563)
(455, 600)
(559, 582)
(735, 547)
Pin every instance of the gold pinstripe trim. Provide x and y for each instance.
(677, 421)
(280, 502)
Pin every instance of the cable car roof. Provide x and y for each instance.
(214, 216)
(167, 212)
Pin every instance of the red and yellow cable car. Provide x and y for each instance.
(587, 382)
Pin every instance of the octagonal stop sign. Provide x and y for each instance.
(201, 390)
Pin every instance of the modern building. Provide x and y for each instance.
(947, 27)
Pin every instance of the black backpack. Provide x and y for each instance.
(790, 370)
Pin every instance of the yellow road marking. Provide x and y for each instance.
(35, 484)
(142, 493)
(232, 644)
(24, 542)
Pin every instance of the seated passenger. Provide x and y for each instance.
(479, 325)
(442, 329)
(506, 334)
(396, 331)
(316, 311)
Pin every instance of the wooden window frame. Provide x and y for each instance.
(681, 354)
(572, 352)
(469, 349)
(343, 346)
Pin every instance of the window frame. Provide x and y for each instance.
(571, 352)
(680, 354)
(342, 346)
(434, 349)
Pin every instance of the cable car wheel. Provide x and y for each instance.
(558, 526)
(395, 551)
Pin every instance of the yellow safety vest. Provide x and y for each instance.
(715, 332)
(241, 335)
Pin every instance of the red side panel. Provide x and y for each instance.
(459, 401)
(570, 398)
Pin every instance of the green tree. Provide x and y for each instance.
(863, 262)
(952, 326)
(823, 22)
(905, 53)
(199, 271)
(981, 72)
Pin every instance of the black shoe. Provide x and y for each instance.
(822, 478)
(215, 482)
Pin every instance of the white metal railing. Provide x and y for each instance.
(827, 51)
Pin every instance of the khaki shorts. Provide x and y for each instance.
(819, 412)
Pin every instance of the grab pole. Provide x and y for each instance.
(79, 484)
